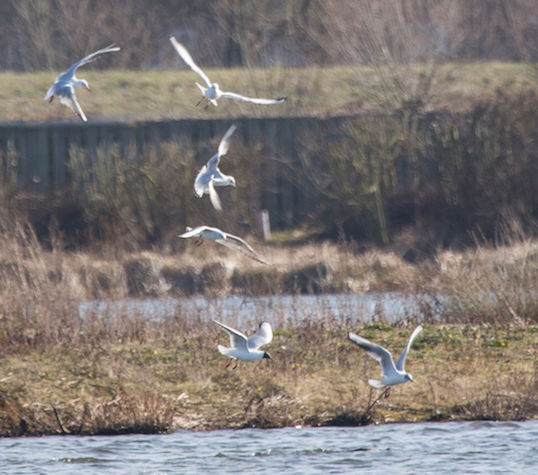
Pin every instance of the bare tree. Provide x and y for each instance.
(398, 44)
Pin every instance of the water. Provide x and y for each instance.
(440, 448)
(283, 309)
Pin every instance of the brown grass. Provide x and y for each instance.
(116, 371)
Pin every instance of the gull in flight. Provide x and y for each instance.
(393, 374)
(213, 93)
(210, 175)
(215, 234)
(246, 349)
(66, 83)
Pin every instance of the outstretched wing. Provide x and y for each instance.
(67, 97)
(253, 100)
(401, 359)
(263, 336)
(242, 241)
(213, 195)
(225, 142)
(90, 58)
(185, 56)
(242, 250)
(203, 177)
(237, 339)
(192, 232)
(377, 352)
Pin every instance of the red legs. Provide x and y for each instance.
(387, 392)
(51, 99)
(199, 241)
(208, 103)
(229, 363)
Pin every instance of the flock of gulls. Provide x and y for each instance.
(209, 177)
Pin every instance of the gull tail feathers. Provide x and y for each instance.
(224, 350)
(376, 383)
(202, 88)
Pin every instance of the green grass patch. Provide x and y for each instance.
(157, 95)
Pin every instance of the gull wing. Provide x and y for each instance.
(193, 232)
(263, 102)
(401, 359)
(225, 142)
(201, 180)
(237, 339)
(67, 97)
(213, 195)
(185, 56)
(237, 238)
(88, 59)
(263, 336)
(242, 250)
(377, 352)
(213, 163)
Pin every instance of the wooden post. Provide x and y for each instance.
(264, 226)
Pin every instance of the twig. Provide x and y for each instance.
(58, 419)
(387, 389)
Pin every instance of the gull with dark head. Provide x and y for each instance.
(220, 237)
(210, 176)
(66, 83)
(213, 93)
(393, 374)
(247, 349)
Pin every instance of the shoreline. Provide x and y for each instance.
(460, 373)
(116, 371)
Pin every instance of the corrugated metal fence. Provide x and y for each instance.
(40, 151)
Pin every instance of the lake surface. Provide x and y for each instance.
(429, 448)
(279, 310)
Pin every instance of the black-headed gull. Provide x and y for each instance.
(393, 374)
(66, 83)
(210, 176)
(246, 349)
(219, 236)
(213, 93)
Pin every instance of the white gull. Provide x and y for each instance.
(220, 237)
(213, 93)
(66, 83)
(247, 349)
(393, 374)
(210, 175)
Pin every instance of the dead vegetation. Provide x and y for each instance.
(112, 369)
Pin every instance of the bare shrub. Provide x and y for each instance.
(39, 293)
(397, 40)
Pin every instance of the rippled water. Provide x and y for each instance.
(433, 448)
(352, 308)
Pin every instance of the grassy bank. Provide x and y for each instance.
(154, 95)
(173, 377)
(116, 371)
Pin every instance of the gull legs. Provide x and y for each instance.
(199, 241)
(236, 363)
(208, 103)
